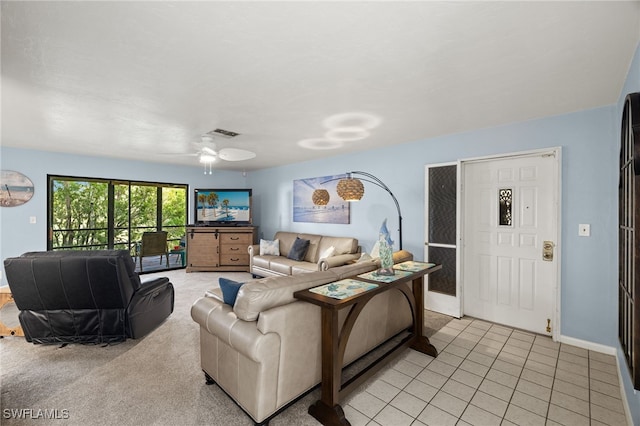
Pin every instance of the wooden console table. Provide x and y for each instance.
(327, 409)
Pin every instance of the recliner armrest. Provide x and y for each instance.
(150, 305)
(152, 285)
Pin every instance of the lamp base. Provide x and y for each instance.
(386, 271)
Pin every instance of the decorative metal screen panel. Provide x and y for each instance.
(445, 280)
(442, 205)
(629, 237)
(505, 204)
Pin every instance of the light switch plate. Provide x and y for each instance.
(584, 230)
(32, 219)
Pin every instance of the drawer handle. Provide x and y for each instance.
(234, 260)
(234, 248)
(235, 238)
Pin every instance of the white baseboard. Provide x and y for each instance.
(584, 344)
(608, 350)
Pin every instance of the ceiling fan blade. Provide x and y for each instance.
(209, 151)
(235, 154)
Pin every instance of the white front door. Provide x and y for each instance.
(510, 240)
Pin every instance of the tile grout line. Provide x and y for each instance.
(508, 336)
(589, 381)
(485, 377)
(553, 384)
(518, 377)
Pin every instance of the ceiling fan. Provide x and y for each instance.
(208, 153)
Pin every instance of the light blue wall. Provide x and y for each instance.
(17, 235)
(632, 85)
(589, 195)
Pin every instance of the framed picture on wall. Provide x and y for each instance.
(15, 188)
(330, 209)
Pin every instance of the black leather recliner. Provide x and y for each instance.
(94, 296)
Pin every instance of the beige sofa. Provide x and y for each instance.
(345, 250)
(265, 351)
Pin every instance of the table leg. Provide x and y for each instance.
(327, 409)
(421, 342)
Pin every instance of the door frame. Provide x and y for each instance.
(442, 303)
(556, 152)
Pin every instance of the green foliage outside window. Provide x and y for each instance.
(80, 214)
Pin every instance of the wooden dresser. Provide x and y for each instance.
(219, 248)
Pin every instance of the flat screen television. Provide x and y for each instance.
(222, 207)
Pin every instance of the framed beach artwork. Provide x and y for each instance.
(15, 188)
(336, 210)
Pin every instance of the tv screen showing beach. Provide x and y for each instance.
(223, 206)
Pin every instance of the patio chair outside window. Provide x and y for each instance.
(154, 244)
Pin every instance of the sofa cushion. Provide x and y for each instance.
(260, 295)
(215, 293)
(314, 242)
(303, 268)
(263, 261)
(328, 252)
(229, 290)
(268, 247)
(286, 240)
(283, 265)
(299, 249)
(342, 245)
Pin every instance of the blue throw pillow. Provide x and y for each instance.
(299, 249)
(229, 290)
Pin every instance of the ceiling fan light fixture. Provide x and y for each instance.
(207, 158)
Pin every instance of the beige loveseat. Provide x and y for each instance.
(265, 351)
(345, 249)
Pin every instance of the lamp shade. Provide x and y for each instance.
(350, 189)
(320, 197)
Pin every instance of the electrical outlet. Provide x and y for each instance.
(584, 230)
(32, 219)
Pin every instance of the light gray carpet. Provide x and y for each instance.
(151, 381)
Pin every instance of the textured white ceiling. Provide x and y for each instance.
(145, 79)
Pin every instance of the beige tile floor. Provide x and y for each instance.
(487, 374)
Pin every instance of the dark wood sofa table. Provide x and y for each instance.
(327, 409)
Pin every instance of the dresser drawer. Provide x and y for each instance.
(242, 239)
(234, 259)
(234, 249)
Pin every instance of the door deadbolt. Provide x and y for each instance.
(547, 251)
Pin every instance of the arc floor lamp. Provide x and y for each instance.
(352, 189)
